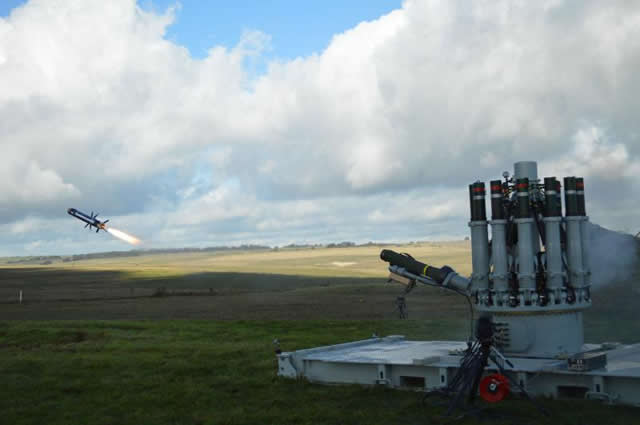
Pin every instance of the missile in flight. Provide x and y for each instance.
(90, 220)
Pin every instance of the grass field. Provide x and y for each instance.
(223, 371)
(217, 372)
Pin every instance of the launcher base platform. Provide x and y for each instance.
(395, 362)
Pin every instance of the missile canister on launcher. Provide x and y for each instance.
(500, 274)
(573, 221)
(553, 247)
(585, 236)
(479, 238)
(526, 242)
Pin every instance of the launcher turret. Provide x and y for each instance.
(533, 276)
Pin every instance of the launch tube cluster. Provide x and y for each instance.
(533, 276)
(536, 257)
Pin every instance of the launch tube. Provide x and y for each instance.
(585, 235)
(477, 196)
(526, 271)
(584, 231)
(574, 237)
(445, 276)
(499, 255)
(553, 207)
(524, 206)
(498, 239)
(570, 197)
(414, 266)
(497, 197)
(553, 247)
(479, 237)
(580, 204)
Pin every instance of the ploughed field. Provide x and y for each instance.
(93, 369)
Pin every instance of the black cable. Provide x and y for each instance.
(470, 316)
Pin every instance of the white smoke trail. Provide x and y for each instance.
(615, 257)
(124, 236)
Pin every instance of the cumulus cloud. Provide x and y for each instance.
(36, 184)
(594, 154)
(377, 135)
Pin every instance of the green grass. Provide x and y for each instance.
(203, 372)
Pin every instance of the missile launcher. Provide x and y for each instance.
(531, 281)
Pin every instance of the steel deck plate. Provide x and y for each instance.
(395, 350)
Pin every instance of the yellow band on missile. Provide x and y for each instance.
(424, 272)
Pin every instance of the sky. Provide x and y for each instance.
(280, 122)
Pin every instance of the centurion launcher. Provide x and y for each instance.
(529, 287)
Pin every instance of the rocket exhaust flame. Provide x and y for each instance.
(123, 236)
(91, 221)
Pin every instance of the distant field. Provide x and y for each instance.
(335, 262)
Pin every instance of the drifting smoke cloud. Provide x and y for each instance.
(614, 256)
(124, 236)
